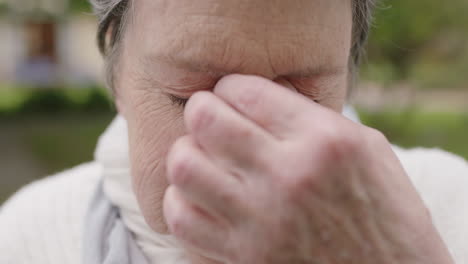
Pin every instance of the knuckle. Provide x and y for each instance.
(297, 187)
(175, 216)
(228, 197)
(179, 165)
(338, 143)
(298, 180)
(375, 135)
(178, 225)
(240, 133)
(199, 111)
(295, 174)
(251, 100)
(181, 175)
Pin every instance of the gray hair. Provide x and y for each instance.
(112, 15)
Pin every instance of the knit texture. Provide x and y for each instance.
(43, 222)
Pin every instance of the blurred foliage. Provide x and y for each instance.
(50, 143)
(20, 100)
(53, 136)
(3, 8)
(80, 6)
(75, 7)
(421, 41)
(415, 128)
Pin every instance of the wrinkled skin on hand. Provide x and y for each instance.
(266, 176)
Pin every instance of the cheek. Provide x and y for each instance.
(335, 95)
(336, 99)
(154, 124)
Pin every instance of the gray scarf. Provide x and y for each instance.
(106, 239)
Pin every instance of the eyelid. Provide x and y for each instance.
(178, 100)
(179, 94)
(185, 90)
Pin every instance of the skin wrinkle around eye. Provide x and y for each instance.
(319, 89)
(190, 77)
(179, 94)
(182, 87)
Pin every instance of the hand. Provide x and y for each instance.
(267, 176)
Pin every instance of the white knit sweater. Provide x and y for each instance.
(44, 221)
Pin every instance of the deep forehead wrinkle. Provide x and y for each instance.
(217, 69)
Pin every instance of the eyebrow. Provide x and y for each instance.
(221, 70)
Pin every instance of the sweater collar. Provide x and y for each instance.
(112, 155)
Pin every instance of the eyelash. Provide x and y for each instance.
(178, 100)
(183, 101)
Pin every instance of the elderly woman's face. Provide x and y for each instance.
(173, 48)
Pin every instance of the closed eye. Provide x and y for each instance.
(178, 100)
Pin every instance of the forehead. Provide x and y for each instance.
(264, 37)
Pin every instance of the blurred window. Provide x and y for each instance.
(39, 66)
(41, 40)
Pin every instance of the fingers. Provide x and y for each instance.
(201, 181)
(226, 136)
(268, 104)
(196, 230)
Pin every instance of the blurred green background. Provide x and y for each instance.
(53, 107)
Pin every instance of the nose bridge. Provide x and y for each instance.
(252, 53)
(254, 59)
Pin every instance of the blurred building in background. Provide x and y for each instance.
(42, 45)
